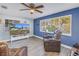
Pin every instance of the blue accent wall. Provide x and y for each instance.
(67, 40)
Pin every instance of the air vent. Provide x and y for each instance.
(4, 7)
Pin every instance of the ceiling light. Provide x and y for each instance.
(32, 10)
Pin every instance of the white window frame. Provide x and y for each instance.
(70, 34)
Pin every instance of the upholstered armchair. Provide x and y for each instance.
(6, 51)
(52, 43)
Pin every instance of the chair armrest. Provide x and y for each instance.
(18, 51)
(23, 51)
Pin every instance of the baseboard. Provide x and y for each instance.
(38, 37)
(19, 38)
(63, 45)
(66, 46)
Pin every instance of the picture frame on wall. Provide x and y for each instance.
(63, 23)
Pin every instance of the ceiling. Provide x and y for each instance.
(49, 8)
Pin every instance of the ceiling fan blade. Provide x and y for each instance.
(39, 11)
(25, 5)
(40, 6)
(24, 9)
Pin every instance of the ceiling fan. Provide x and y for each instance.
(32, 8)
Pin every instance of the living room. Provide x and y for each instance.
(39, 29)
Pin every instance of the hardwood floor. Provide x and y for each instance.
(35, 47)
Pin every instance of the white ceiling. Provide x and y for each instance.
(49, 8)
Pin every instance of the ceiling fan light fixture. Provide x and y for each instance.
(32, 10)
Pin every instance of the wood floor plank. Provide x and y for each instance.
(36, 48)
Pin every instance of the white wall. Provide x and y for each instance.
(4, 32)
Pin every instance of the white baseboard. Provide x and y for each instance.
(66, 46)
(20, 38)
(38, 37)
(63, 45)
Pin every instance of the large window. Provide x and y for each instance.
(17, 28)
(63, 23)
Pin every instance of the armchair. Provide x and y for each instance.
(52, 44)
(6, 51)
